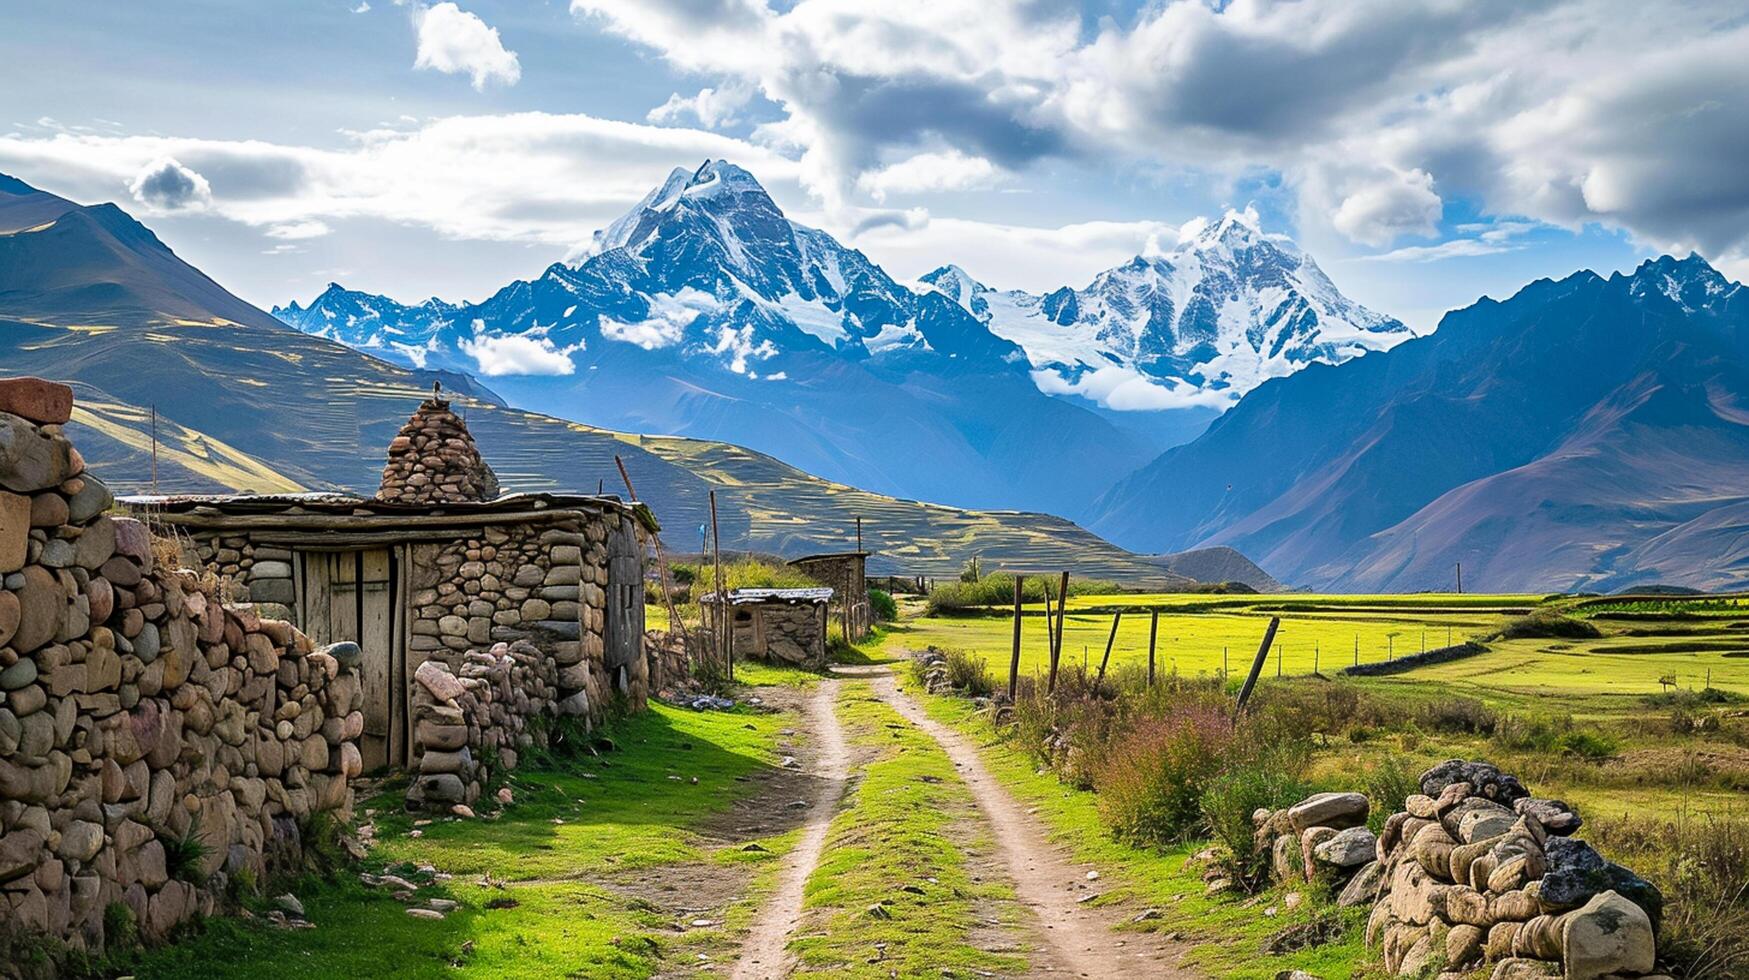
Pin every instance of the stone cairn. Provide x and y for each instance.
(1474, 871)
(434, 460)
(473, 723)
(138, 712)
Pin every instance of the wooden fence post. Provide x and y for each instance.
(1153, 636)
(1116, 617)
(1256, 666)
(1014, 658)
(1057, 645)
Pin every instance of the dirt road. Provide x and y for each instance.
(763, 956)
(1073, 937)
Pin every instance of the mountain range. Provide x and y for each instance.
(184, 387)
(1587, 433)
(705, 311)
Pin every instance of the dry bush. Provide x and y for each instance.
(1701, 864)
(1152, 778)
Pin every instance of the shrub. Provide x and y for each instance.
(1466, 716)
(1152, 778)
(968, 673)
(1388, 784)
(1270, 781)
(185, 856)
(1588, 745)
(882, 605)
(1544, 624)
(1702, 867)
(997, 590)
(1534, 733)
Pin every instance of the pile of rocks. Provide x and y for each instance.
(138, 711)
(1475, 870)
(1322, 838)
(472, 720)
(434, 460)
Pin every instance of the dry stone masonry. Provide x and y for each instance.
(1474, 872)
(473, 721)
(434, 460)
(138, 711)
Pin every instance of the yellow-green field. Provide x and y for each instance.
(1201, 635)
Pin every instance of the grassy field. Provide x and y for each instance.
(548, 888)
(1201, 635)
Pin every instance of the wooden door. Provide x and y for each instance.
(352, 595)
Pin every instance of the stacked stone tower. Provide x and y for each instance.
(434, 460)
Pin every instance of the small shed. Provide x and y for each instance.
(785, 626)
(437, 564)
(847, 573)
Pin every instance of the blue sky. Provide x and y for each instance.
(1425, 151)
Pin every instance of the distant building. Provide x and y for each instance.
(847, 573)
(775, 625)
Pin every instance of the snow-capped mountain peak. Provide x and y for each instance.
(1230, 306)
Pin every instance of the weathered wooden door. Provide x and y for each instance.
(625, 603)
(351, 595)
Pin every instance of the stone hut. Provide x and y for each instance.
(141, 711)
(784, 626)
(434, 570)
(847, 574)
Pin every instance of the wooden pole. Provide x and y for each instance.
(1057, 647)
(1460, 578)
(725, 626)
(1050, 619)
(1153, 635)
(154, 448)
(859, 535)
(1257, 666)
(1014, 657)
(1116, 617)
(674, 620)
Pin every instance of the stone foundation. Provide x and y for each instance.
(139, 711)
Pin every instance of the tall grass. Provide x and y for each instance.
(998, 590)
(1701, 864)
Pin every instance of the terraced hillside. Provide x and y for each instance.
(91, 297)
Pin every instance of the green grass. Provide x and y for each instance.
(570, 830)
(907, 823)
(1226, 933)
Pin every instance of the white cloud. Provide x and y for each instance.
(363, 8)
(1386, 209)
(1016, 256)
(528, 177)
(949, 171)
(1615, 112)
(736, 345)
(455, 41)
(298, 229)
(166, 185)
(667, 322)
(713, 108)
(500, 354)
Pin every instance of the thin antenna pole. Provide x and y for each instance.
(726, 625)
(154, 448)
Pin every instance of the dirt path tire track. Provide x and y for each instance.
(1074, 938)
(763, 954)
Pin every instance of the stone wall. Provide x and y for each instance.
(138, 711)
(1474, 872)
(844, 574)
(473, 721)
(776, 631)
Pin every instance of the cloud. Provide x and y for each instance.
(362, 8)
(298, 229)
(1384, 210)
(166, 185)
(500, 354)
(949, 171)
(526, 177)
(713, 108)
(1374, 112)
(667, 322)
(456, 42)
(736, 346)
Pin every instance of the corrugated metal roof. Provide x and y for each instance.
(742, 597)
(344, 504)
